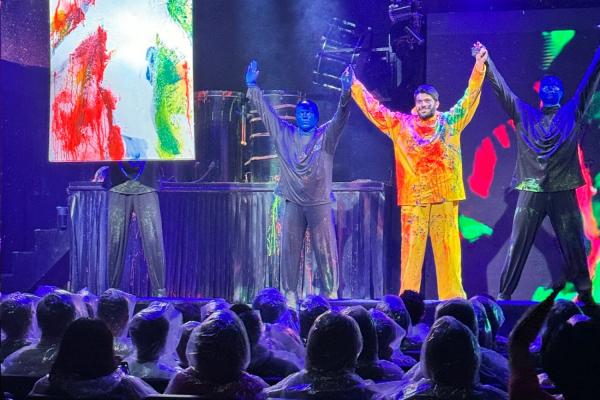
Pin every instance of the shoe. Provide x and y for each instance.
(503, 297)
(585, 296)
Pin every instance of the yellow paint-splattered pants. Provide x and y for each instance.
(439, 221)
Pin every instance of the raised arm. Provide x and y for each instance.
(274, 124)
(378, 114)
(522, 363)
(506, 96)
(462, 112)
(335, 126)
(588, 85)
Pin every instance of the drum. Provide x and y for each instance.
(219, 134)
(261, 163)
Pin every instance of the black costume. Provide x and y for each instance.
(547, 174)
(133, 189)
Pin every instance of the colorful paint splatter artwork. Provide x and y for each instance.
(121, 80)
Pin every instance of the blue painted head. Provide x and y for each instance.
(307, 115)
(551, 90)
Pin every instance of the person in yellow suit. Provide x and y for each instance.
(429, 175)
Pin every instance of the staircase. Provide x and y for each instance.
(28, 268)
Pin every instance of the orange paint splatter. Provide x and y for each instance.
(68, 14)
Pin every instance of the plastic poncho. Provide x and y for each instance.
(154, 334)
(115, 309)
(369, 365)
(334, 343)
(218, 352)
(450, 360)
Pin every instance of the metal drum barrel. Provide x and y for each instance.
(260, 159)
(219, 133)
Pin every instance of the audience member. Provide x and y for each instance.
(389, 336)
(270, 366)
(85, 367)
(218, 352)
(369, 365)
(310, 308)
(415, 305)
(154, 335)
(16, 314)
(115, 309)
(334, 343)
(451, 359)
(54, 313)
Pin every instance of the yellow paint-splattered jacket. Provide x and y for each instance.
(427, 152)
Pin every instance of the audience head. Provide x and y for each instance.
(114, 309)
(16, 314)
(370, 348)
(149, 330)
(571, 357)
(184, 337)
(218, 349)
(451, 354)
(484, 329)
(460, 309)
(271, 305)
(388, 332)
(493, 310)
(415, 305)
(54, 314)
(394, 307)
(560, 313)
(85, 351)
(334, 343)
(213, 306)
(251, 321)
(310, 308)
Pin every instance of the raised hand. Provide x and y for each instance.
(346, 78)
(479, 51)
(252, 73)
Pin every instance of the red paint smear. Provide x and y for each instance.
(432, 161)
(501, 134)
(82, 120)
(68, 14)
(511, 123)
(590, 225)
(185, 76)
(484, 164)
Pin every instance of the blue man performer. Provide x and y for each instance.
(305, 153)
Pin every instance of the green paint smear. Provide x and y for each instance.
(170, 101)
(272, 234)
(597, 181)
(596, 283)
(530, 185)
(554, 43)
(181, 12)
(569, 292)
(596, 210)
(472, 230)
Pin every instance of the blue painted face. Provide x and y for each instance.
(551, 91)
(307, 115)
